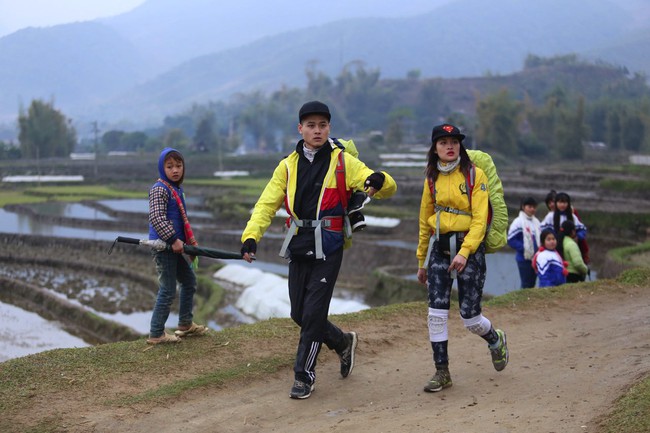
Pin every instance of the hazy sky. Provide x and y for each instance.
(17, 14)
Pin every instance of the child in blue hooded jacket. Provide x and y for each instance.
(168, 222)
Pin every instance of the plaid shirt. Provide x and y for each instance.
(158, 200)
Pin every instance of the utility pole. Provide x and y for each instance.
(96, 132)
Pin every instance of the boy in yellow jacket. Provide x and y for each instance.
(306, 182)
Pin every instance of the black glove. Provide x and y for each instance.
(249, 246)
(375, 180)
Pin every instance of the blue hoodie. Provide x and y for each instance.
(173, 212)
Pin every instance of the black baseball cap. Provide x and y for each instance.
(446, 130)
(314, 107)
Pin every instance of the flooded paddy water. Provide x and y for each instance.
(79, 270)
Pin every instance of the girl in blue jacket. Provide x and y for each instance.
(548, 263)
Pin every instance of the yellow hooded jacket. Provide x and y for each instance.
(283, 185)
(451, 192)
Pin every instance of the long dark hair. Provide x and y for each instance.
(567, 229)
(562, 196)
(432, 162)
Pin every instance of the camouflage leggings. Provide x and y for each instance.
(470, 282)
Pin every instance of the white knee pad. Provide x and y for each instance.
(479, 325)
(438, 325)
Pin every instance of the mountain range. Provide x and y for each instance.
(164, 56)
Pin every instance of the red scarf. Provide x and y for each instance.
(189, 235)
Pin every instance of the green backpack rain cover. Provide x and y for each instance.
(497, 233)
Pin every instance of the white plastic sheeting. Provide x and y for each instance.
(266, 295)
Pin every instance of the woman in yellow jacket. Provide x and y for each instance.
(451, 245)
(306, 182)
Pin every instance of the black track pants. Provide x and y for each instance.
(311, 285)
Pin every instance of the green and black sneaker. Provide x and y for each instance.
(500, 353)
(439, 381)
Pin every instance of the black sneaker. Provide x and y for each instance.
(347, 355)
(301, 390)
(357, 221)
(358, 200)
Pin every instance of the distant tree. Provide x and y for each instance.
(571, 133)
(45, 132)
(533, 61)
(319, 85)
(543, 121)
(613, 122)
(205, 138)
(134, 141)
(597, 120)
(260, 119)
(557, 97)
(183, 122)
(644, 114)
(287, 101)
(413, 75)
(154, 144)
(429, 103)
(397, 126)
(7, 151)
(112, 140)
(498, 119)
(361, 97)
(175, 138)
(633, 132)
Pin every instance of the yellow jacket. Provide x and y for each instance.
(283, 186)
(450, 191)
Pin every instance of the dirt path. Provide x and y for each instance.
(569, 361)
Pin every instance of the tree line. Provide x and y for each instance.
(551, 108)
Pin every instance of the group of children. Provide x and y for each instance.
(555, 250)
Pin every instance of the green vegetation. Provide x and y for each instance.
(626, 254)
(625, 185)
(548, 109)
(642, 171)
(245, 186)
(211, 293)
(214, 378)
(45, 132)
(635, 276)
(632, 412)
(21, 195)
(611, 224)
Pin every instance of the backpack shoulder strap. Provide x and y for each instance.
(338, 143)
(340, 180)
(432, 189)
(470, 180)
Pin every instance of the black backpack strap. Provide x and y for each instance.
(338, 143)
